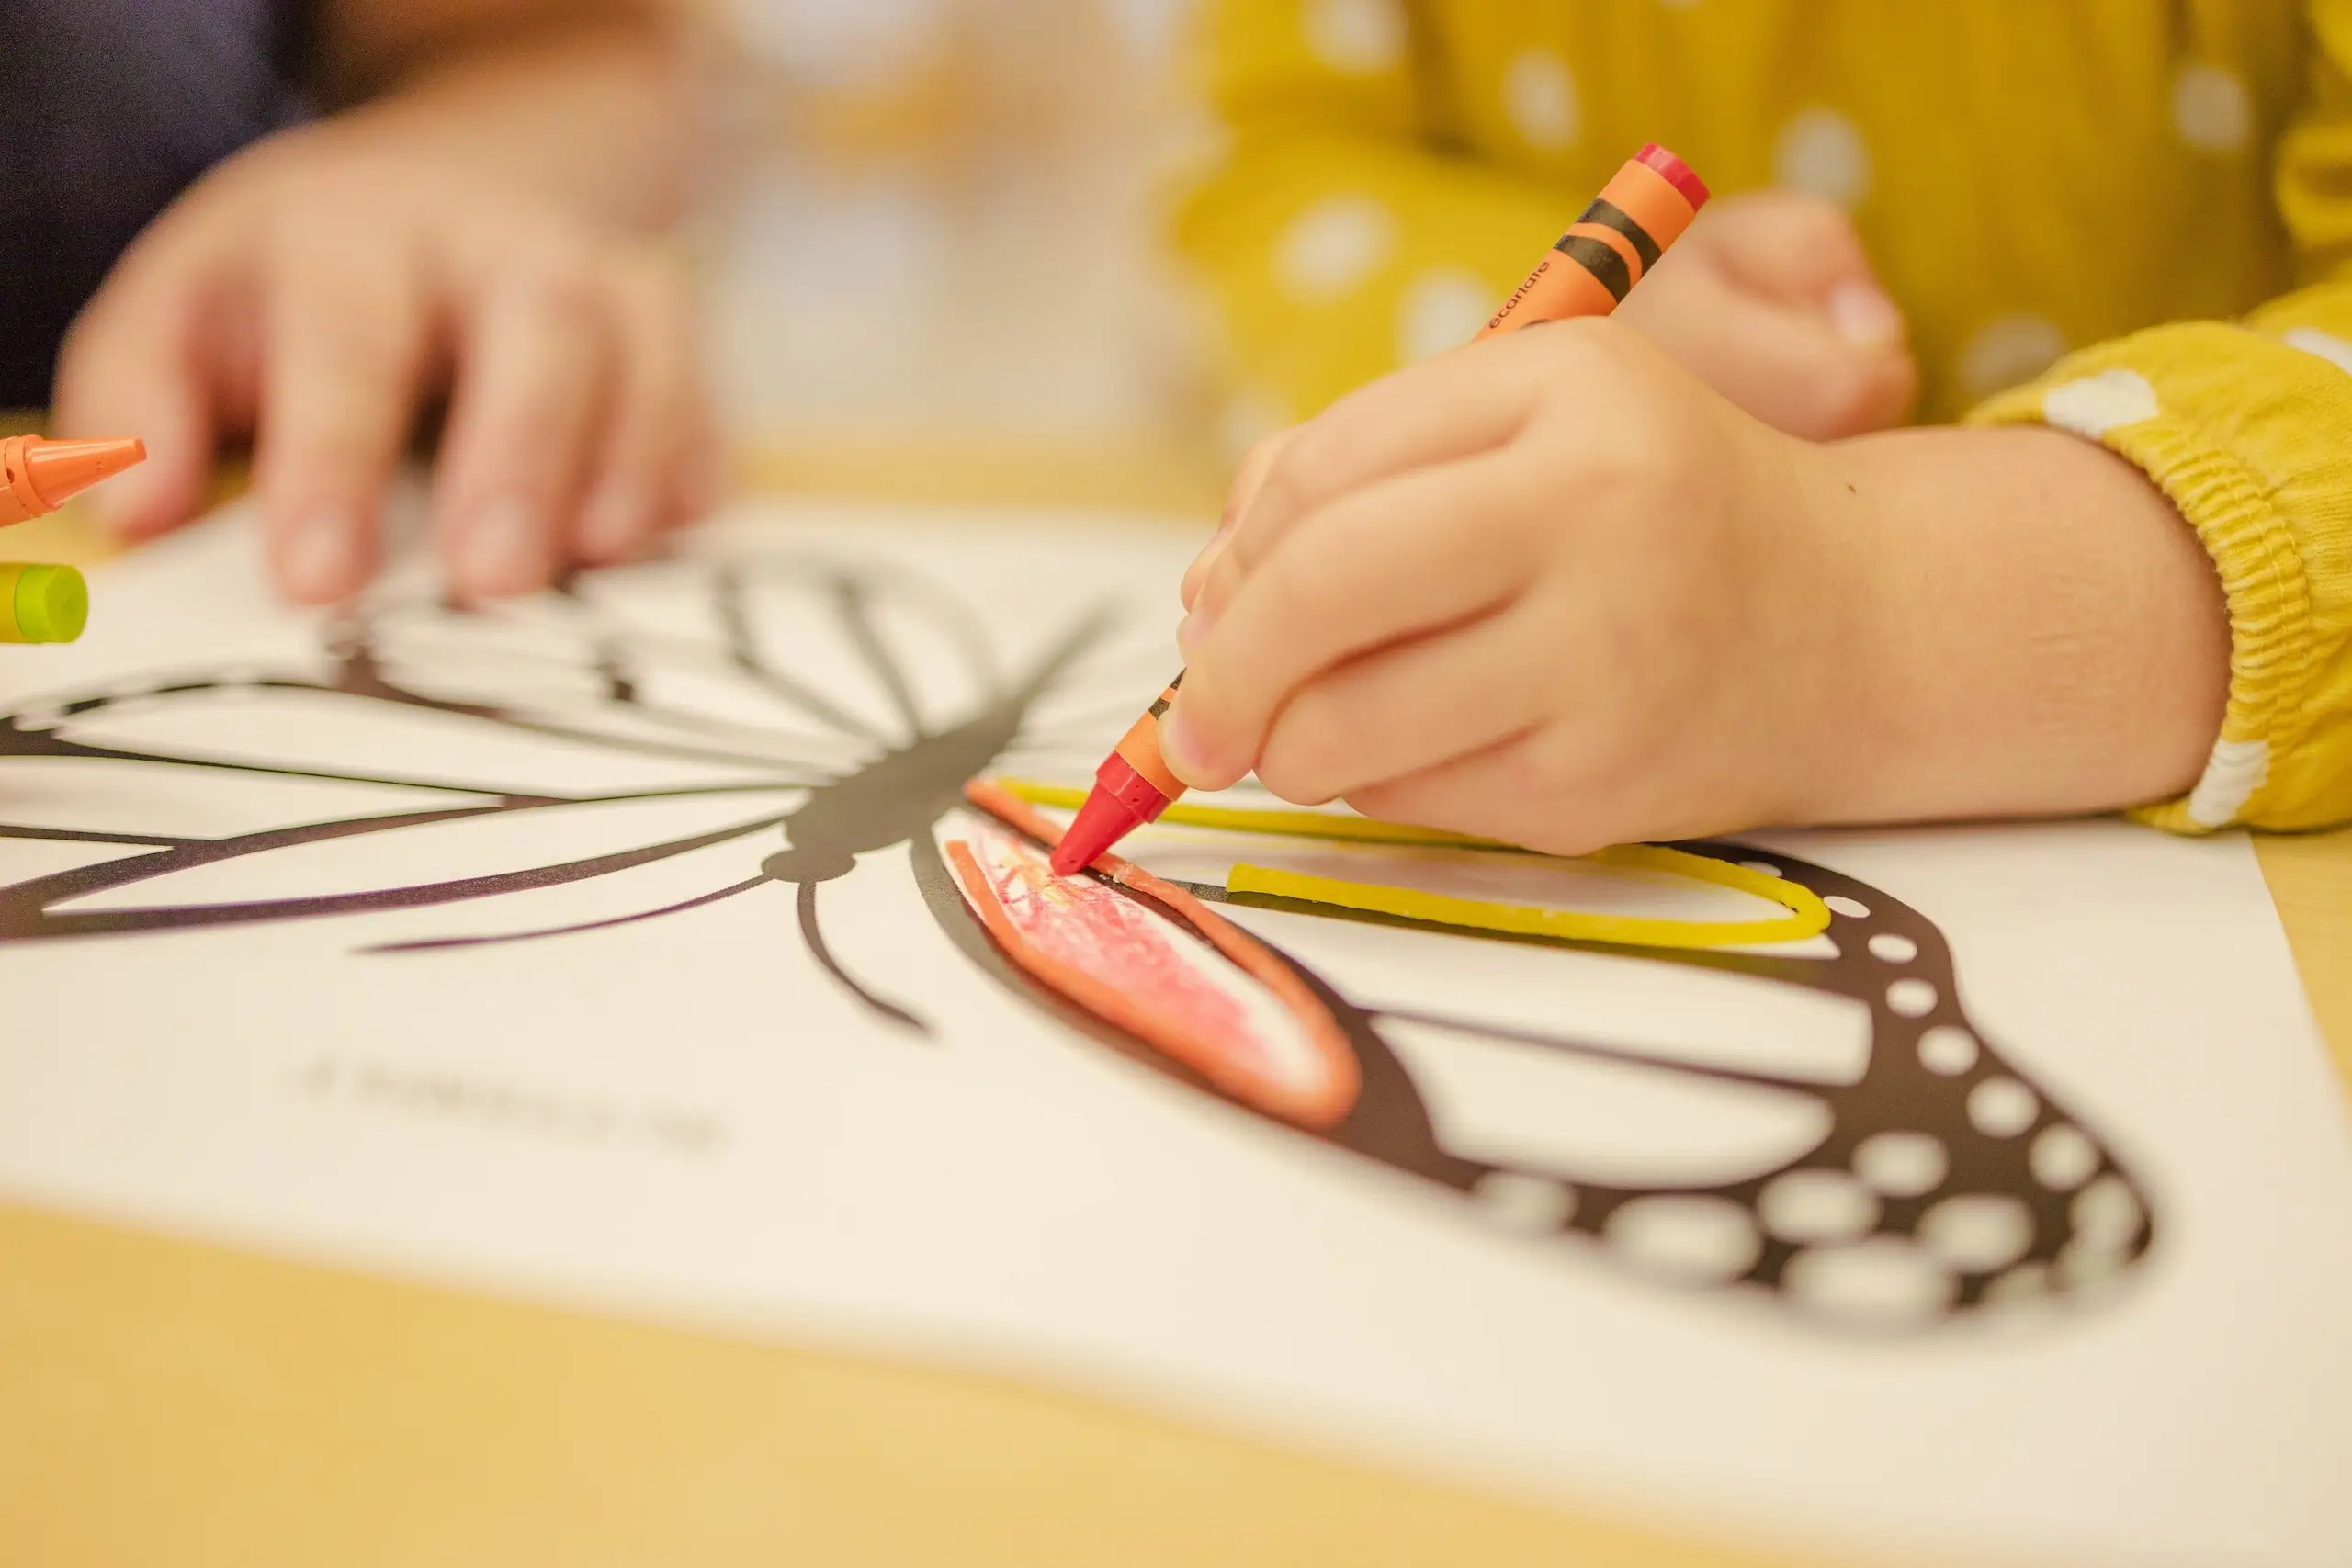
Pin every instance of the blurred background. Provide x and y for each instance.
(937, 224)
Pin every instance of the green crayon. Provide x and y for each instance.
(41, 603)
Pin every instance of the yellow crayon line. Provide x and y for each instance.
(1289, 824)
(1807, 915)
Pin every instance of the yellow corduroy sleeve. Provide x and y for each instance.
(1337, 239)
(2247, 426)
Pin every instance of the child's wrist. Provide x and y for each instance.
(2028, 627)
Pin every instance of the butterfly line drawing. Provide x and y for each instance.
(809, 712)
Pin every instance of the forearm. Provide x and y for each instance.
(589, 107)
(2040, 632)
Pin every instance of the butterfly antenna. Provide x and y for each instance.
(814, 935)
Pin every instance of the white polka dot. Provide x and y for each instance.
(2062, 1157)
(1852, 909)
(2234, 771)
(1542, 98)
(1356, 36)
(1893, 948)
(1525, 1203)
(1334, 245)
(1761, 867)
(1885, 1281)
(2310, 340)
(1817, 1205)
(1978, 1232)
(2097, 404)
(1902, 1165)
(1911, 998)
(1696, 1240)
(1820, 151)
(1948, 1049)
(1442, 310)
(2002, 1108)
(2006, 351)
(2210, 108)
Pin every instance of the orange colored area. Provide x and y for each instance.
(37, 476)
(1321, 1104)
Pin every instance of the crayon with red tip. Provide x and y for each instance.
(1642, 211)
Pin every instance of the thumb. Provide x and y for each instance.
(131, 366)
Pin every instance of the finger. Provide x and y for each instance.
(1472, 400)
(1796, 371)
(1785, 246)
(1366, 570)
(1255, 463)
(1404, 709)
(656, 425)
(1509, 791)
(135, 364)
(345, 337)
(1789, 366)
(530, 386)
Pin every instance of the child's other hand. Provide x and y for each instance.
(1770, 301)
(1548, 589)
(318, 295)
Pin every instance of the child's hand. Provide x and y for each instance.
(1550, 589)
(318, 293)
(1547, 589)
(1770, 301)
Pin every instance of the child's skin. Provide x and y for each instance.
(1559, 589)
(480, 226)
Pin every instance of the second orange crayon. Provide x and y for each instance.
(1638, 214)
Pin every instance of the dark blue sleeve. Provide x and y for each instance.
(109, 109)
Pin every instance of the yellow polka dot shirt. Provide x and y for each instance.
(2130, 219)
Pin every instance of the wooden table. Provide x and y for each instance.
(164, 1402)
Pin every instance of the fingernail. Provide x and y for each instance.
(321, 558)
(1864, 316)
(506, 552)
(613, 523)
(1179, 749)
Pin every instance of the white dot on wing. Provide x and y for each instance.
(2002, 1108)
(1691, 1238)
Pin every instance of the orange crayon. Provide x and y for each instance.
(1642, 211)
(37, 476)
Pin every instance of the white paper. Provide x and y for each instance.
(683, 1115)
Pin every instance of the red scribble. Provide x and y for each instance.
(1116, 958)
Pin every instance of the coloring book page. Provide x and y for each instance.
(640, 947)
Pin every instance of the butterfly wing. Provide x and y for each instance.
(1870, 1161)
